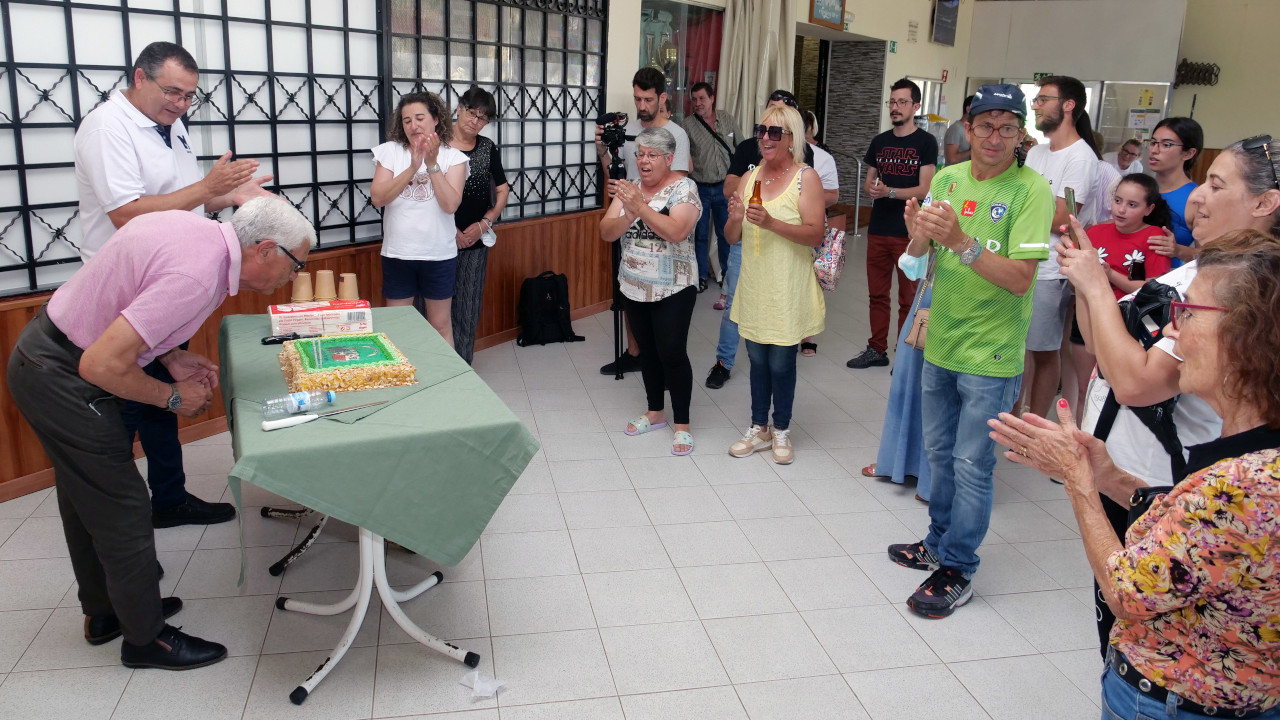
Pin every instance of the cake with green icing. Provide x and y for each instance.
(344, 363)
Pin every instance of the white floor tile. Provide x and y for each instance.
(683, 505)
(1005, 570)
(728, 470)
(1023, 687)
(719, 703)
(452, 609)
(7, 526)
(1026, 522)
(550, 667)
(412, 679)
(589, 475)
(638, 597)
(215, 693)
(559, 422)
(614, 549)
(596, 709)
(407, 568)
(822, 583)
(659, 472)
(20, 508)
(816, 698)
(79, 694)
(527, 513)
(768, 647)
(1083, 668)
(868, 638)
(578, 446)
(811, 464)
(31, 584)
(536, 478)
(833, 436)
(886, 492)
(512, 555)
(293, 632)
(834, 495)
(974, 632)
(867, 532)
(760, 500)
(240, 623)
(519, 606)
(790, 538)
(215, 573)
(603, 509)
(258, 532)
(1053, 621)
(326, 566)
(60, 645)
(921, 692)
(658, 658)
(713, 543)
(1062, 560)
(346, 694)
(36, 537)
(18, 628)
(734, 590)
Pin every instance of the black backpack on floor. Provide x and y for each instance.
(544, 311)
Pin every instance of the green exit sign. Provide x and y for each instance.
(1037, 77)
(893, 46)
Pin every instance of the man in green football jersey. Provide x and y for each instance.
(987, 220)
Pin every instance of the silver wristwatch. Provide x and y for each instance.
(175, 398)
(893, 193)
(433, 169)
(971, 253)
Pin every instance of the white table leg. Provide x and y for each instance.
(391, 601)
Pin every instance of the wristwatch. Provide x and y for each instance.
(893, 193)
(175, 398)
(433, 169)
(971, 253)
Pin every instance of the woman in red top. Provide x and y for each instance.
(1138, 213)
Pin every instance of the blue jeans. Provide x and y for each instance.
(1122, 701)
(727, 348)
(715, 208)
(956, 408)
(773, 377)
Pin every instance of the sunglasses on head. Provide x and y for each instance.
(1263, 143)
(785, 98)
(773, 132)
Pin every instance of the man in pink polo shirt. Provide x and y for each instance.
(82, 357)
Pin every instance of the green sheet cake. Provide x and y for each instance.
(344, 363)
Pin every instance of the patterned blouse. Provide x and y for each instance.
(1203, 567)
(652, 268)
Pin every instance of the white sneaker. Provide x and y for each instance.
(757, 438)
(783, 453)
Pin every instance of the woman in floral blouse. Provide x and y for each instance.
(1196, 586)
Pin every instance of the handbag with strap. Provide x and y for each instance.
(828, 262)
(920, 322)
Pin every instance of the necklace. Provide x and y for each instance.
(769, 181)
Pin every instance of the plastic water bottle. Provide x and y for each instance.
(274, 408)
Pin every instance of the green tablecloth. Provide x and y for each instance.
(426, 470)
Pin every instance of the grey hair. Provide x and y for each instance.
(657, 138)
(1259, 174)
(154, 56)
(271, 218)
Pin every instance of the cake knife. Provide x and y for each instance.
(308, 417)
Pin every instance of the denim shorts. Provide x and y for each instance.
(428, 279)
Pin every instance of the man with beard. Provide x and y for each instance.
(712, 137)
(900, 165)
(649, 88)
(1068, 160)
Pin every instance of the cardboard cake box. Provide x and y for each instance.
(332, 317)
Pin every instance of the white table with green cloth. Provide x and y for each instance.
(427, 469)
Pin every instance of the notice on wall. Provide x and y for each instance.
(1143, 118)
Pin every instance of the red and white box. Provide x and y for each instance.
(332, 317)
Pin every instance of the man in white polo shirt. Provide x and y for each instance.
(135, 156)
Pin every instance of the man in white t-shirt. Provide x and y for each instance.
(134, 156)
(649, 88)
(1068, 160)
(1126, 160)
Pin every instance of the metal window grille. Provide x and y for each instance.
(297, 85)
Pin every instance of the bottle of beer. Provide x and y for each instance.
(1138, 266)
(755, 195)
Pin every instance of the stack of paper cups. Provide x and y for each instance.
(347, 289)
(302, 288)
(325, 289)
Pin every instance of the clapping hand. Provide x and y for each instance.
(1058, 449)
(226, 175)
(737, 208)
(629, 195)
(939, 223)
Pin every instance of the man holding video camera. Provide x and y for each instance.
(649, 88)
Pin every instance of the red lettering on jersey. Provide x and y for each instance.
(969, 208)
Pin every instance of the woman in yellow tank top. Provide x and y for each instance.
(778, 301)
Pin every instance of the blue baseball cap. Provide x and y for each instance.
(999, 97)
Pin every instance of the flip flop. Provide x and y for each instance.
(870, 471)
(642, 426)
(719, 304)
(808, 349)
(681, 437)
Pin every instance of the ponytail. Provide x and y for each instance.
(1085, 129)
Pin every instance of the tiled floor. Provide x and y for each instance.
(615, 581)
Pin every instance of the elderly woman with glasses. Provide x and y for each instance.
(778, 301)
(654, 217)
(484, 195)
(1196, 582)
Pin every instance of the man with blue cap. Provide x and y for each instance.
(986, 221)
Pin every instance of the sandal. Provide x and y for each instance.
(870, 471)
(719, 304)
(808, 349)
(681, 437)
(642, 426)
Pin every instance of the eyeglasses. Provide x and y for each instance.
(774, 132)
(1262, 142)
(174, 95)
(899, 103)
(476, 115)
(1042, 99)
(1165, 144)
(1128, 153)
(652, 157)
(298, 265)
(1180, 312)
(785, 98)
(1008, 132)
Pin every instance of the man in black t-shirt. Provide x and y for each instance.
(900, 164)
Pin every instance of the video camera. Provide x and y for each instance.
(614, 136)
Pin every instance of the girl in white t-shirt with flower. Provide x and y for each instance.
(418, 180)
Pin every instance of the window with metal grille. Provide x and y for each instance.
(543, 60)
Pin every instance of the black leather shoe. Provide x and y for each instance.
(172, 650)
(630, 363)
(718, 376)
(99, 629)
(193, 512)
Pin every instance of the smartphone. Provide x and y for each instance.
(1070, 196)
